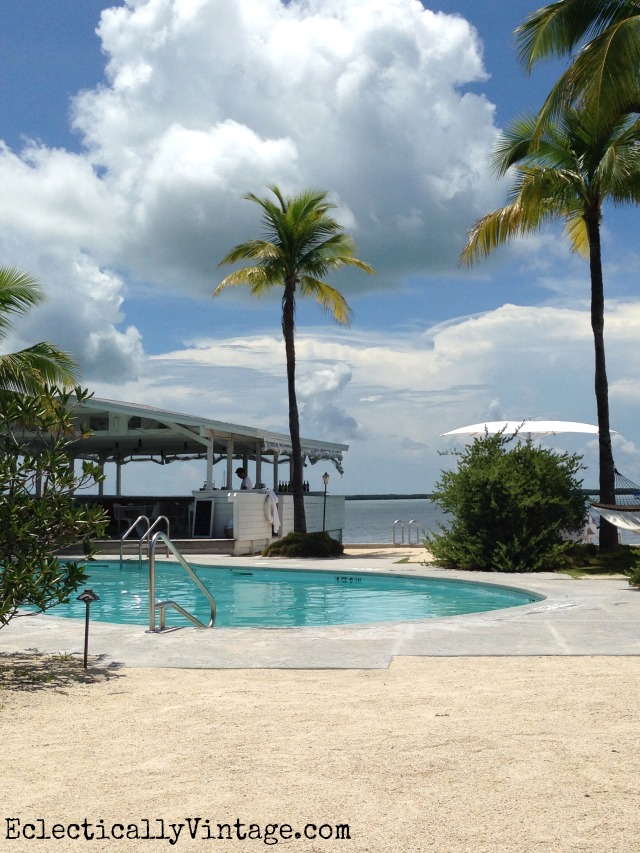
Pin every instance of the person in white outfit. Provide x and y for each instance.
(246, 481)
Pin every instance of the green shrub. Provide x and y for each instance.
(634, 574)
(305, 545)
(39, 513)
(589, 561)
(509, 507)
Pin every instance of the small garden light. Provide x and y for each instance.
(87, 596)
(325, 480)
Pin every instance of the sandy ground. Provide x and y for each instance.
(413, 554)
(433, 754)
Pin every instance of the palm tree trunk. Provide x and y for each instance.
(288, 331)
(608, 533)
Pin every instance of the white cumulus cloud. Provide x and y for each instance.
(211, 100)
(206, 100)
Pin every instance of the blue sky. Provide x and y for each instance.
(132, 131)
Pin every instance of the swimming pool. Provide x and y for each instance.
(270, 598)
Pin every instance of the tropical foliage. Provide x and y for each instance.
(39, 513)
(510, 509)
(304, 545)
(603, 39)
(28, 370)
(302, 244)
(634, 574)
(568, 173)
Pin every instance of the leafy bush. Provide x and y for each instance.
(305, 545)
(509, 507)
(634, 574)
(38, 510)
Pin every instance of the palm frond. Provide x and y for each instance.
(604, 75)
(257, 278)
(616, 169)
(491, 231)
(28, 370)
(254, 250)
(576, 232)
(19, 292)
(521, 143)
(335, 263)
(536, 198)
(557, 29)
(329, 299)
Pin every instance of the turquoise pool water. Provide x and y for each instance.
(266, 598)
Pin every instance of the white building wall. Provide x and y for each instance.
(252, 529)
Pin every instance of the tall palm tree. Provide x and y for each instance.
(302, 243)
(28, 370)
(567, 173)
(603, 39)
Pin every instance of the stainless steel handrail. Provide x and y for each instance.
(147, 534)
(395, 527)
(412, 525)
(162, 608)
(162, 605)
(128, 531)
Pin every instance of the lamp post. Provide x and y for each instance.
(325, 480)
(87, 596)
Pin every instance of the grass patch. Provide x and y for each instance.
(585, 561)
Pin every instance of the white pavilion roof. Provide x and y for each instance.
(124, 432)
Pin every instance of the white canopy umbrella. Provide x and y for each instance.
(528, 429)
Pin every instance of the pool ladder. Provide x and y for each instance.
(413, 526)
(150, 527)
(162, 606)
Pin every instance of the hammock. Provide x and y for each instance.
(625, 513)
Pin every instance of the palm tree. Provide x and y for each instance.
(567, 173)
(28, 370)
(302, 243)
(603, 39)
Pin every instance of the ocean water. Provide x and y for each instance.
(373, 521)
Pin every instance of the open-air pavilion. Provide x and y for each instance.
(124, 433)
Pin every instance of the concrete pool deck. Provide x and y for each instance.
(576, 618)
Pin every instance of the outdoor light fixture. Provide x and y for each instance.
(325, 480)
(88, 596)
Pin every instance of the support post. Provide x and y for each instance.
(258, 466)
(230, 464)
(210, 465)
